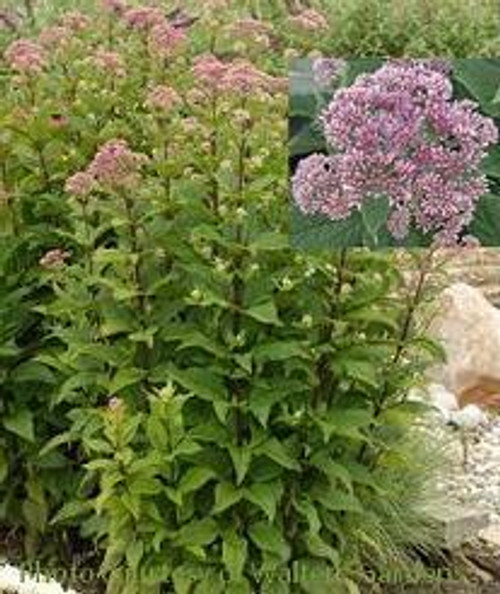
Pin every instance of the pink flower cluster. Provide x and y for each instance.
(309, 20)
(110, 62)
(75, 21)
(164, 39)
(163, 98)
(54, 259)
(80, 184)
(117, 7)
(144, 18)
(54, 37)
(398, 133)
(326, 71)
(252, 30)
(26, 56)
(239, 77)
(115, 166)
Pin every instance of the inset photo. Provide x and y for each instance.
(394, 152)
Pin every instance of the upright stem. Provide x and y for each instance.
(30, 11)
(238, 288)
(11, 206)
(326, 383)
(214, 185)
(43, 165)
(412, 304)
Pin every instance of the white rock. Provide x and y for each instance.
(468, 327)
(469, 417)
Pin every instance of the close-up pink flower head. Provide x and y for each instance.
(399, 133)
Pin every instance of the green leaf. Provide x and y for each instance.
(277, 452)
(4, 465)
(226, 495)
(270, 240)
(241, 457)
(261, 401)
(309, 511)
(241, 586)
(200, 381)
(124, 378)
(481, 77)
(185, 576)
(319, 548)
(278, 351)
(267, 496)
(195, 478)
(32, 371)
(134, 554)
(197, 533)
(234, 554)
(21, 423)
(265, 313)
(55, 442)
(268, 537)
(374, 214)
(335, 500)
(213, 583)
(345, 422)
(72, 510)
(333, 470)
(486, 223)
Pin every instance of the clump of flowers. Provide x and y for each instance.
(144, 17)
(164, 39)
(75, 21)
(54, 37)
(253, 30)
(117, 7)
(110, 62)
(54, 259)
(26, 56)
(240, 76)
(115, 165)
(309, 20)
(80, 184)
(398, 133)
(162, 98)
(326, 71)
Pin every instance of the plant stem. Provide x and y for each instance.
(326, 384)
(412, 304)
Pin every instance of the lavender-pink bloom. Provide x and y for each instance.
(164, 40)
(26, 56)
(326, 71)
(144, 17)
(80, 184)
(398, 133)
(163, 98)
(116, 166)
